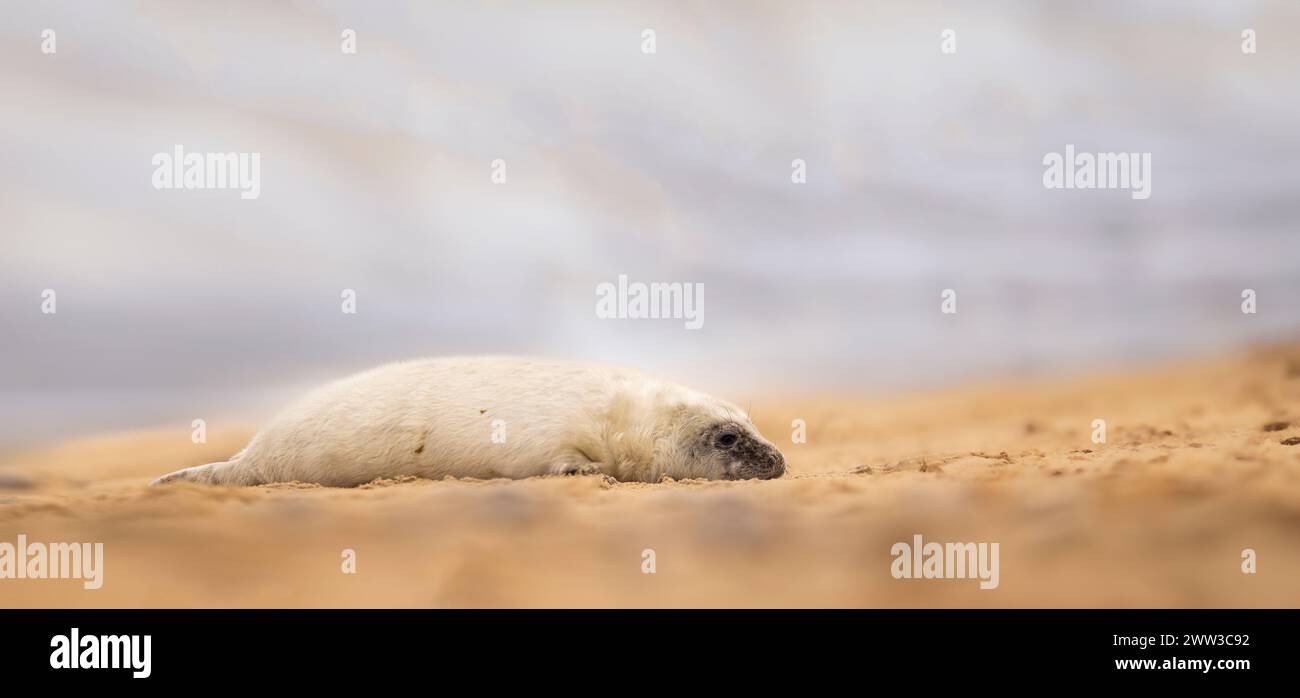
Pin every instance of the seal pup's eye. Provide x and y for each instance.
(727, 440)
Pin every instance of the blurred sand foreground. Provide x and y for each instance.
(1196, 467)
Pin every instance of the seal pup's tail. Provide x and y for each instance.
(231, 472)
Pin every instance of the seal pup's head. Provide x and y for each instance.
(713, 439)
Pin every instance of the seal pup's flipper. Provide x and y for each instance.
(580, 464)
(231, 472)
(587, 469)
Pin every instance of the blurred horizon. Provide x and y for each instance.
(924, 173)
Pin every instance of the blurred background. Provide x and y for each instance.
(924, 173)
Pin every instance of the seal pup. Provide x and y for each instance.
(491, 417)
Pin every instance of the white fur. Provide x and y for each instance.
(434, 418)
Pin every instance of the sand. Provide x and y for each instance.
(1201, 460)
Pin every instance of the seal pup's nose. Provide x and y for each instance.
(775, 463)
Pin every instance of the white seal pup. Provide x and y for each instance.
(489, 417)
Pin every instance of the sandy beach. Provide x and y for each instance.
(1201, 461)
